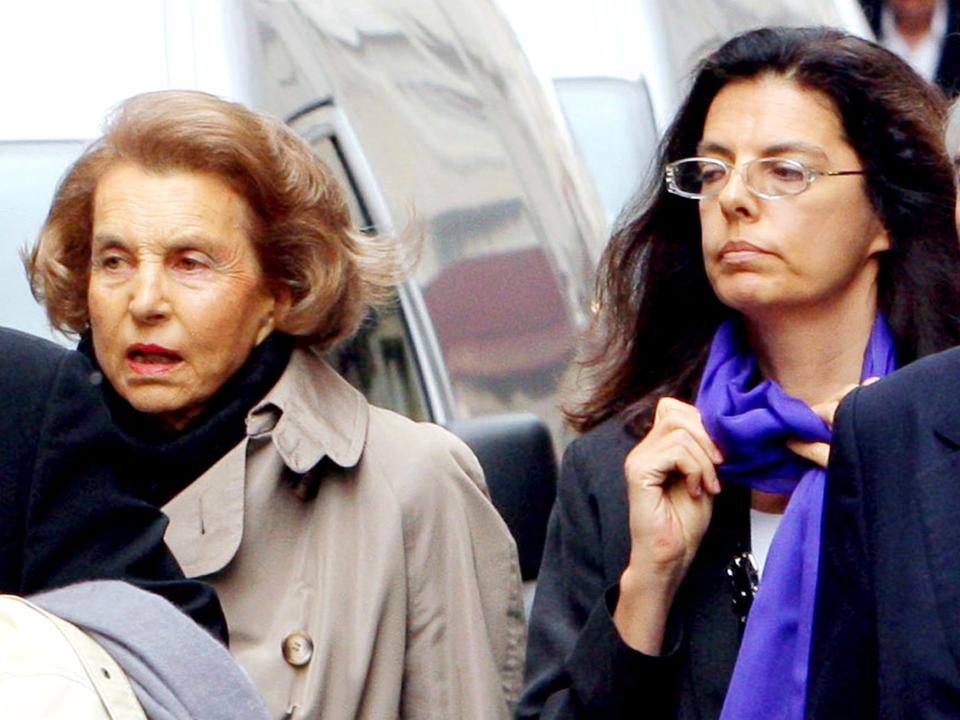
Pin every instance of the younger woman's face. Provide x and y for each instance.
(811, 251)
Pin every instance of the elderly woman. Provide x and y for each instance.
(207, 258)
(798, 241)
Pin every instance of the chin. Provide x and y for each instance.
(150, 403)
(745, 299)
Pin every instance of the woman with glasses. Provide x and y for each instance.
(798, 241)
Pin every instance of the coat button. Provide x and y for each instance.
(297, 649)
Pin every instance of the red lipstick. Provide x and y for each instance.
(150, 359)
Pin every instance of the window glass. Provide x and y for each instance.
(379, 360)
(615, 132)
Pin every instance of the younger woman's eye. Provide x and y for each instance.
(712, 174)
(786, 172)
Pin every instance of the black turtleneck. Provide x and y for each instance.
(167, 461)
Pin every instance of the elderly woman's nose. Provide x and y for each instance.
(148, 294)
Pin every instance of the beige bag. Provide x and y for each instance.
(51, 669)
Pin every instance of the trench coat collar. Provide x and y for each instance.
(312, 413)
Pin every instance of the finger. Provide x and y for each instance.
(708, 468)
(828, 408)
(691, 461)
(651, 463)
(815, 452)
(826, 411)
(654, 464)
(672, 414)
(691, 467)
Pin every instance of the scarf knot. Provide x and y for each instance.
(751, 420)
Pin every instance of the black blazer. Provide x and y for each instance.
(948, 69)
(577, 665)
(65, 513)
(886, 637)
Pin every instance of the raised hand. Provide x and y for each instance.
(671, 480)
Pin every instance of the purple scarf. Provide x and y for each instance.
(750, 422)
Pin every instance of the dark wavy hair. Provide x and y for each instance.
(657, 312)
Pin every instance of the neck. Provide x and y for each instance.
(813, 354)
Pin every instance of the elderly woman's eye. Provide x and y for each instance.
(190, 264)
(111, 262)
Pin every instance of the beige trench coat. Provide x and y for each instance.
(362, 569)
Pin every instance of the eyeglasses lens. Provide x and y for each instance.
(699, 177)
(775, 177)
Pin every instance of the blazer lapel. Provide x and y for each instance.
(713, 631)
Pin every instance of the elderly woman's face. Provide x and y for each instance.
(177, 299)
(802, 252)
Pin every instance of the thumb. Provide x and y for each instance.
(815, 452)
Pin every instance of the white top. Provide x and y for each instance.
(763, 526)
(925, 55)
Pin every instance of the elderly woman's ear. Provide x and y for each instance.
(274, 318)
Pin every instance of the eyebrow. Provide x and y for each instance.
(185, 242)
(798, 147)
(103, 240)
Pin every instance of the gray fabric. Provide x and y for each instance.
(177, 670)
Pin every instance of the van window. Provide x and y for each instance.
(615, 132)
(379, 360)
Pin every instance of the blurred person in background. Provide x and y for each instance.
(208, 259)
(925, 33)
(801, 241)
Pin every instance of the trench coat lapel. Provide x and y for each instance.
(206, 518)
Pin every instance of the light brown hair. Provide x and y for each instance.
(301, 227)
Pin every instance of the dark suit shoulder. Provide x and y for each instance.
(921, 391)
(42, 383)
(29, 364)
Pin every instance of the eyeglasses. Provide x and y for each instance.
(702, 178)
